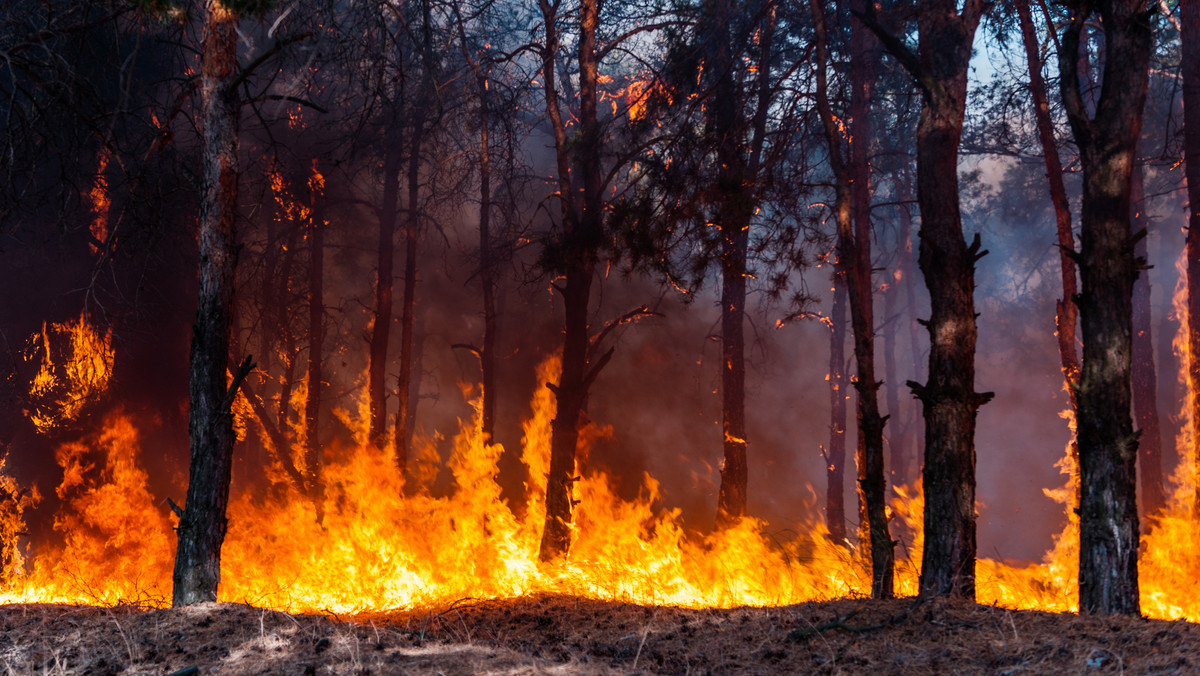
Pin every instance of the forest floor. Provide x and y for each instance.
(567, 635)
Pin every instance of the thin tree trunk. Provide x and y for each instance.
(581, 236)
(737, 178)
(853, 213)
(872, 478)
(487, 354)
(487, 357)
(381, 329)
(914, 430)
(210, 428)
(412, 225)
(1108, 546)
(284, 410)
(731, 502)
(1189, 19)
(316, 332)
(1066, 313)
(897, 439)
(1145, 378)
(835, 457)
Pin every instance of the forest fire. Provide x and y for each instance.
(382, 545)
(393, 307)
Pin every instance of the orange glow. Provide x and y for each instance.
(383, 545)
(75, 364)
(98, 196)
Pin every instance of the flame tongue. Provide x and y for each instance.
(378, 548)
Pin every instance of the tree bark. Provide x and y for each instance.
(914, 430)
(1108, 547)
(382, 326)
(948, 264)
(897, 439)
(1189, 20)
(487, 354)
(1145, 377)
(412, 239)
(210, 427)
(316, 333)
(739, 146)
(852, 209)
(579, 242)
(835, 457)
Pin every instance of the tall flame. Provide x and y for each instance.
(381, 544)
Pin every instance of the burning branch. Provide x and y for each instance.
(279, 443)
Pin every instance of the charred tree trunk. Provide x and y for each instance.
(897, 439)
(384, 282)
(914, 429)
(1108, 546)
(872, 478)
(1145, 378)
(316, 332)
(853, 213)
(487, 283)
(739, 145)
(284, 410)
(835, 457)
(733, 219)
(948, 264)
(1189, 19)
(731, 501)
(569, 394)
(487, 354)
(579, 243)
(210, 426)
(412, 240)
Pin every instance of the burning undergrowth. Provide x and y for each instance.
(367, 542)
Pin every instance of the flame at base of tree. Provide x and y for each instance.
(381, 546)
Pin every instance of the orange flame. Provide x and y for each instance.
(75, 365)
(383, 545)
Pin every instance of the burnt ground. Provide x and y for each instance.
(567, 635)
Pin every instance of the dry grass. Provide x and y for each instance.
(554, 634)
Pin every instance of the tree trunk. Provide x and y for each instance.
(210, 426)
(948, 264)
(581, 237)
(487, 354)
(914, 430)
(1108, 546)
(316, 332)
(1189, 19)
(1145, 378)
(1067, 313)
(872, 478)
(381, 329)
(897, 439)
(835, 457)
(412, 238)
(731, 501)
(852, 175)
(738, 160)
